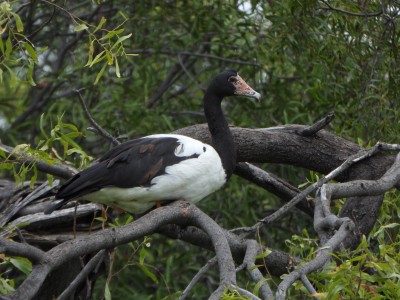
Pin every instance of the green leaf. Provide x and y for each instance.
(80, 27)
(117, 68)
(258, 286)
(22, 264)
(107, 294)
(2, 154)
(33, 178)
(123, 15)
(29, 74)
(101, 23)
(109, 58)
(99, 57)
(100, 74)
(112, 34)
(148, 273)
(18, 22)
(142, 255)
(13, 79)
(42, 127)
(382, 228)
(6, 286)
(1, 45)
(6, 166)
(121, 39)
(264, 254)
(31, 52)
(9, 47)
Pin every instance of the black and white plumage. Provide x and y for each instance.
(137, 174)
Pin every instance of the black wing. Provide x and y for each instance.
(131, 164)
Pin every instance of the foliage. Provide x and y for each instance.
(144, 64)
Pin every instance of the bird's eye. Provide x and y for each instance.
(232, 79)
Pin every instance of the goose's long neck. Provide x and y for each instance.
(222, 140)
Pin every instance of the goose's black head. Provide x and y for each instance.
(229, 83)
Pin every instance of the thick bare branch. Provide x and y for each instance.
(8, 247)
(177, 212)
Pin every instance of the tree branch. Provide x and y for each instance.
(62, 171)
(99, 129)
(273, 184)
(68, 292)
(313, 129)
(330, 7)
(177, 212)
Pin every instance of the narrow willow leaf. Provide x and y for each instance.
(107, 294)
(148, 273)
(31, 52)
(109, 58)
(91, 52)
(33, 178)
(29, 74)
(18, 22)
(142, 256)
(80, 27)
(123, 15)
(13, 79)
(99, 57)
(1, 45)
(112, 34)
(42, 127)
(101, 23)
(100, 74)
(117, 68)
(9, 47)
(121, 39)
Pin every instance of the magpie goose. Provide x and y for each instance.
(138, 174)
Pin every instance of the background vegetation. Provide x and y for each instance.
(144, 65)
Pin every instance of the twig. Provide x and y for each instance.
(313, 129)
(374, 14)
(174, 74)
(197, 277)
(273, 184)
(69, 291)
(181, 62)
(198, 54)
(100, 130)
